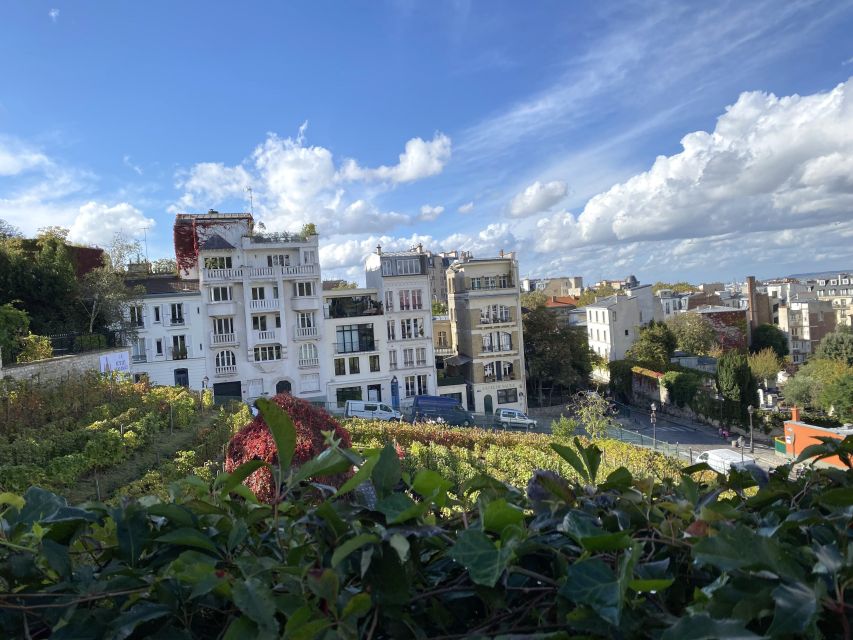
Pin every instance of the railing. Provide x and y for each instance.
(509, 376)
(309, 362)
(446, 381)
(499, 320)
(393, 366)
(179, 354)
(222, 338)
(496, 349)
(261, 238)
(360, 348)
(176, 322)
(306, 332)
(222, 274)
(227, 370)
(139, 358)
(298, 270)
(264, 305)
(264, 272)
(421, 363)
(265, 336)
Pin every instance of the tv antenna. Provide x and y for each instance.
(145, 239)
(251, 201)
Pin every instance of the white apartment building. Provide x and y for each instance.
(403, 284)
(485, 318)
(672, 302)
(613, 323)
(355, 348)
(838, 290)
(260, 305)
(806, 322)
(168, 347)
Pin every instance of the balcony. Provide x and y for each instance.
(136, 358)
(502, 378)
(362, 347)
(222, 275)
(352, 307)
(486, 320)
(305, 303)
(305, 363)
(179, 353)
(271, 240)
(228, 370)
(177, 322)
(448, 381)
(304, 333)
(266, 336)
(223, 339)
(225, 308)
(264, 305)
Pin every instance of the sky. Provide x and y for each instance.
(669, 140)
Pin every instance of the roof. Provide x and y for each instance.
(561, 301)
(214, 243)
(457, 360)
(609, 301)
(712, 308)
(164, 285)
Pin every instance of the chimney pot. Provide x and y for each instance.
(795, 414)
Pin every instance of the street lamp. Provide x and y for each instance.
(750, 410)
(204, 381)
(654, 422)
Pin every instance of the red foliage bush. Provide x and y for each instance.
(255, 442)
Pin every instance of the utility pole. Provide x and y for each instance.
(251, 200)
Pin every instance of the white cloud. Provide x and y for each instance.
(130, 165)
(213, 181)
(17, 157)
(536, 198)
(97, 223)
(468, 207)
(420, 159)
(362, 217)
(430, 213)
(54, 15)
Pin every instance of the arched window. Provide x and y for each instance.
(226, 359)
(307, 351)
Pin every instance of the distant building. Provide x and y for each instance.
(837, 289)
(806, 322)
(731, 326)
(566, 311)
(672, 302)
(613, 323)
(437, 264)
(629, 282)
(563, 287)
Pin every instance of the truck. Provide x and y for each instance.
(440, 409)
(724, 460)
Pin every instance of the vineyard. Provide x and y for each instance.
(90, 436)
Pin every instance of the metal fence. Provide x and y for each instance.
(78, 342)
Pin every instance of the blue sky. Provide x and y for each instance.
(672, 140)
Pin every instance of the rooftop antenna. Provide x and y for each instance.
(145, 237)
(251, 201)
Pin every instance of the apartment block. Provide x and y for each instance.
(402, 281)
(838, 290)
(806, 322)
(613, 323)
(485, 317)
(356, 349)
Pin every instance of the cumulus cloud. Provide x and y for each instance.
(468, 207)
(430, 213)
(17, 157)
(536, 198)
(97, 223)
(213, 181)
(421, 159)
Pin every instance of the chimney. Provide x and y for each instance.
(420, 247)
(795, 414)
(379, 249)
(502, 253)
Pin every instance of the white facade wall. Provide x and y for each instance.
(613, 325)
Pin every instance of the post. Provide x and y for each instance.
(620, 431)
(750, 411)
(171, 420)
(653, 419)
(97, 487)
(690, 450)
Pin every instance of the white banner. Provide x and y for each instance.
(115, 362)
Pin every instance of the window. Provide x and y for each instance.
(490, 282)
(354, 366)
(309, 256)
(310, 382)
(157, 313)
(257, 293)
(487, 342)
(389, 301)
(392, 359)
(421, 356)
(506, 370)
(626, 332)
(179, 348)
(416, 385)
(220, 294)
(408, 266)
(476, 283)
(275, 292)
(278, 320)
(411, 328)
(417, 299)
(217, 262)
(226, 359)
(177, 313)
(268, 352)
(223, 325)
(386, 268)
(307, 353)
(442, 339)
(374, 363)
(306, 320)
(410, 386)
(137, 316)
(392, 334)
(505, 396)
(503, 282)
(158, 347)
(405, 300)
(279, 260)
(347, 393)
(340, 367)
(408, 357)
(354, 337)
(506, 341)
(259, 323)
(301, 289)
(489, 371)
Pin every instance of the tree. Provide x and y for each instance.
(309, 229)
(677, 287)
(590, 295)
(439, 308)
(105, 297)
(533, 299)
(806, 388)
(837, 345)
(14, 325)
(8, 230)
(735, 381)
(555, 356)
(654, 347)
(54, 231)
(594, 412)
(343, 284)
(837, 398)
(35, 348)
(769, 335)
(164, 265)
(693, 332)
(765, 364)
(121, 250)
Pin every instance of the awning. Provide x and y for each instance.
(455, 361)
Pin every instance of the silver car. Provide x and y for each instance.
(514, 419)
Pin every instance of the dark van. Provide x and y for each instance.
(440, 408)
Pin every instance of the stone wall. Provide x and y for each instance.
(57, 368)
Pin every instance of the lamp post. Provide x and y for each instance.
(750, 410)
(204, 381)
(654, 422)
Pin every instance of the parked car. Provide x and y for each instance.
(441, 409)
(367, 409)
(724, 460)
(514, 419)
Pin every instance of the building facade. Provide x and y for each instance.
(402, 282)
(838, 290)
(485, 316)
(613, 323)
(806, 322)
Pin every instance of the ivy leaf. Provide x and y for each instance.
(386, 474)
(255, 600)
(241, 629)
(125, 624)
(839, 497)
(591, 456)
(591, 537)
(477, 553)
(12, 500)
(188, 538)
(591, 582)
(399, 507)
(57, 557)
(357, 606)
(704, 627)
(228, 481)
(796, 606)
(499, 514)
(430, 483)
(568, 454)
(351, 545)
(282, 430)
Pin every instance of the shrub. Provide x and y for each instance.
(682, 386)
(255, 442)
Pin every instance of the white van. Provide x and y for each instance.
(374, 410)
(724, 460)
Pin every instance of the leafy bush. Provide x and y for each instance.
(90, 342)
(614, 556)
(682, 386)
